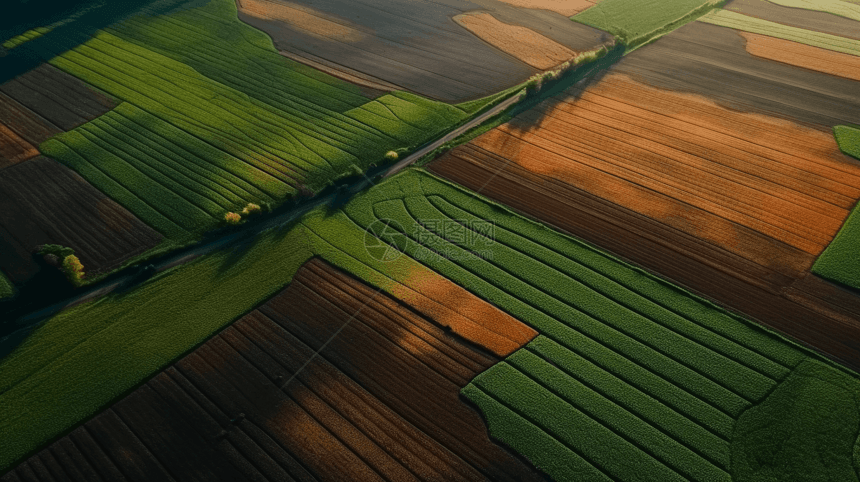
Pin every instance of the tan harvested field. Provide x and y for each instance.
(13, 149)
(523, 43)
(568, 8)
(302, 17)
(380, 402)
(801, 55)
(733, 205)
(466, 315)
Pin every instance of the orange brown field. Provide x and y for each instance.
(805, 56)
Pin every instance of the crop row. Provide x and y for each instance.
(94, 352)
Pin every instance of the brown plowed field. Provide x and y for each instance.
(379, 402)
(733, 205)
(13, 149)
(42, 202)
(805, 56)
(797, 17)
(414, 45)
(568, 8)
(712, 61)
(30, 126)
(62, 99)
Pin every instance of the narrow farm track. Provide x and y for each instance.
(380, 402)
(735, 206)
(45, 202)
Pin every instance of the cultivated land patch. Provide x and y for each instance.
(44, 202)
(805, 56)
(706, 196)
(25, 123)
(819, 21)
(746, 23)
(563, 7)
(839, 262)
(686, 366)
(635, 22)
(524, 44)
(416, 46)
(844, 8)
(14, 149)
(380, 401)
(57, 97)
(211, 124)
(712, 61)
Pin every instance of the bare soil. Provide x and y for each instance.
(13, 149)
(568, 8)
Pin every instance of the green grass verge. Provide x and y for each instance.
(637, 22)
(836, 7)
(840, 262)
(725, 18)
(649, 370)
(25, 37)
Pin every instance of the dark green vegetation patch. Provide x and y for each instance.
(841, 260)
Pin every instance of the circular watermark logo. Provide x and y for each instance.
(384, 240)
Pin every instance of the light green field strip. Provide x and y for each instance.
(213, 90)
(840, 261)
(25, 37)
(725, 18)
(837, 7)
(647, 369)
(7, 290)
(635, 22)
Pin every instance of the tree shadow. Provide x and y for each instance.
(74, 22)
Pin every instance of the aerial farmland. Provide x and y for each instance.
(328, 240)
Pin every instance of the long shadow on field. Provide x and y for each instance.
(551, 96)
(73, 22)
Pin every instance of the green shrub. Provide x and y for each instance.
(391, 156)
(56, 250)
(232, 218)
(73, 269)
(251, 209)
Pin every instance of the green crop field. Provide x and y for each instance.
(6, 288)
(841, 260)
(636, 22)
(836, 7)
(213, 117)
(725, 18)
(663, 379)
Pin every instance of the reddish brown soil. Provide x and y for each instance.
(733, 206)
(568, 8)
(13, 149)
(466, 315)
(800, 55)
(379, 402)
(525, 44)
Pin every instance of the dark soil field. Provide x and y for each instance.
(378, 403)
(25, 123)
(414, 45)
(797, 17)
(56, 96)
(42, 202)
(712, 61)
(13, 149)
(733, 203)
